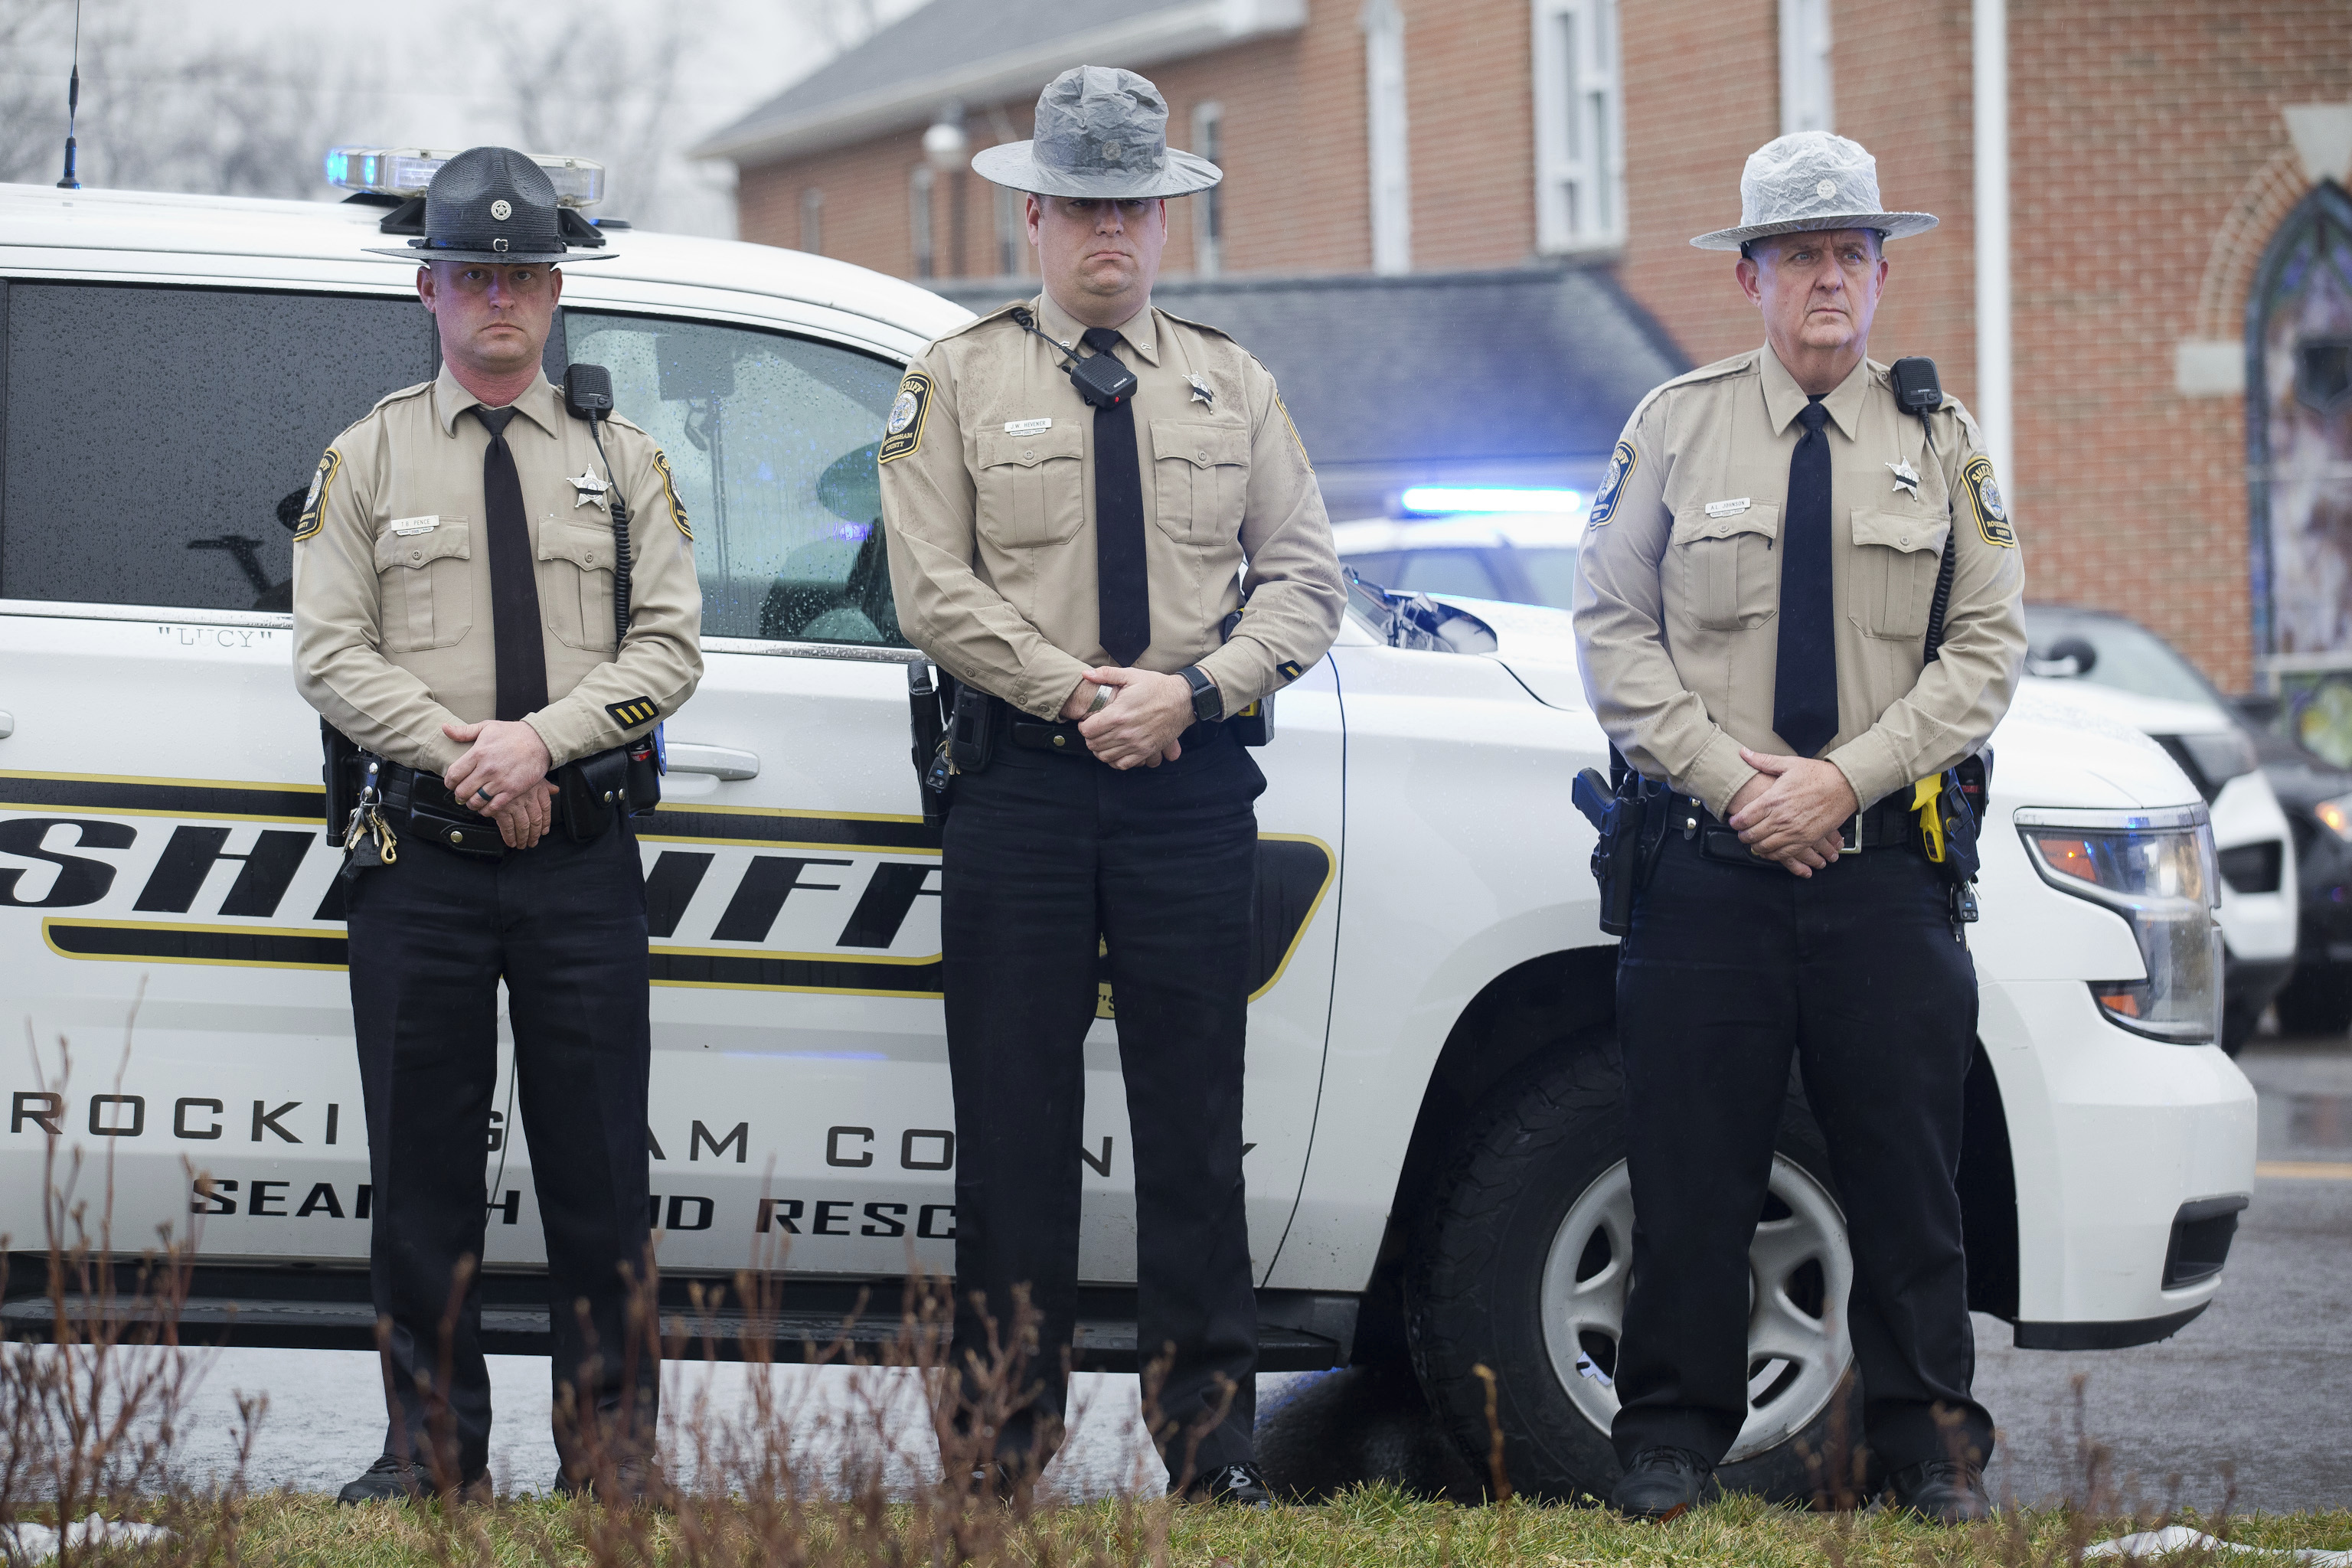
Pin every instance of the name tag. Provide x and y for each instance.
(1026, 426)
(405, 525)
(1726, 508)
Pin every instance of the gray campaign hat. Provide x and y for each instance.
(494, 203)
(1101, 132)
(1811, 180)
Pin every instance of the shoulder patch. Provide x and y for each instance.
(636, 711)
(669, 493)
(1984, 499)
(1622, 464)
(902, 433)
(314, 505)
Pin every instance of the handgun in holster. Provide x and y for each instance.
(1630, 815)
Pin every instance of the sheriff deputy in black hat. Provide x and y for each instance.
(455, 624)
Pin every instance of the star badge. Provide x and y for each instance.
(1201, 392)
(1906, 478)
(590, 487)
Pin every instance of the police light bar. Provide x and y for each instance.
(1441, 500)
(407, 171)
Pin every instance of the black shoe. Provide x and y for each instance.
(1238, 1486)
(1663, 1484)
(1942, 1491)
(395, 1479)
(633, 1485)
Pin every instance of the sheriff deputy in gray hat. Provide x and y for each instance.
(1072, 488)
(1755, 591)
(459, 586)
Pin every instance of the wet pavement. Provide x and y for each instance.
(2255, 1395)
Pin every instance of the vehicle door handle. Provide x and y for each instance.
(8, 725)
(719, 762)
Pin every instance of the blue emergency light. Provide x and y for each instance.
(1443, 499)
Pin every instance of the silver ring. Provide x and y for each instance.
(482, 792)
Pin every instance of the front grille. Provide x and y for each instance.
(2253, 868)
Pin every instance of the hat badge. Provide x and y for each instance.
(1826, 188)
(1112, 152)
(502, 209)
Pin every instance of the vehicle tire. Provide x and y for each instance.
(1521, 1263)
(2317, 1001)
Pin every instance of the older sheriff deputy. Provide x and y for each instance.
(454, 618)
(1073, 553)
(1753, 596)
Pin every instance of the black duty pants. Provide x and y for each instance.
(564, 925)
(1045, 854)
(1729, 969)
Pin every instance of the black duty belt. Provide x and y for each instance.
(419, 806)
(1032, 733)
(1886, 825)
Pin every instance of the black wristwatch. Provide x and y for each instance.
(1208, 702)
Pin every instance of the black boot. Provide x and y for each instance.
(1942, 1491)
(1663, 1484)
(395, 1479)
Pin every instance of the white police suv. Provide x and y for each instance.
(1433, 1156)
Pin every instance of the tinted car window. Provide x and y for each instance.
(2127, 656)
(160, 441)
(1445, 571)
(772, 442)
(1551, 570)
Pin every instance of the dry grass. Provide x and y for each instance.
(1370, 1525)
(90, 1423)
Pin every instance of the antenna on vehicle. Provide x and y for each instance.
(73, 103)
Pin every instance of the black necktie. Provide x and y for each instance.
(514, 580)
(1122, 586)
(1804, 691)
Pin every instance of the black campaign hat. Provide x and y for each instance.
(493, 204)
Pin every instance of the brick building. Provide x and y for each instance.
(2173, 188)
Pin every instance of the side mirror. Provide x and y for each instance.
(2067, 658)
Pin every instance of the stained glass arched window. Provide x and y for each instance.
(2299, 465)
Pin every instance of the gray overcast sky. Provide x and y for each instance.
(426, 72)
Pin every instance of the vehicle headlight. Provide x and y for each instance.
(2336, 816)
(2157, 871)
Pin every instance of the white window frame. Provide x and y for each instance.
(1387, 136)
(1807, 102)
(920, 235)
(1580, 126)
(812, 220)
(1209, 207)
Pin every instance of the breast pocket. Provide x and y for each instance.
(1727, 566)
(575, 584)
(425, 583)
(1891, 578)
(1032, 489)
(1201, 478)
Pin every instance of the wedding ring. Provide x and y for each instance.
(482, 794)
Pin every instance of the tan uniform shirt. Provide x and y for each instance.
(392, 579)
(1678, 581)
(988, 494)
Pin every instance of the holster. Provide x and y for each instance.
(1630, 820)
(926, 727)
